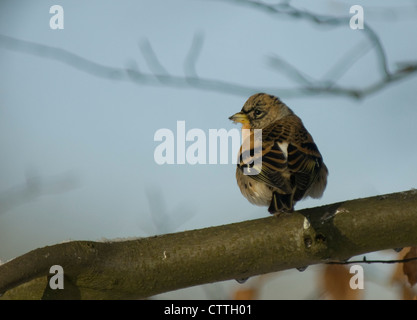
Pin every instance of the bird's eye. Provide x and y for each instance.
(257, 113)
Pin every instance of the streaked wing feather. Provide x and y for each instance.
(274, 162)
(299, 169)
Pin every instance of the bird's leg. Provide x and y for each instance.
(273, 206)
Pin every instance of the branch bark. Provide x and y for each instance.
(147, 266)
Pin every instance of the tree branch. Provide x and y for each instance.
(148, 266)
(160, 77)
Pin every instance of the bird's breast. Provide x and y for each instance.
(256, 192)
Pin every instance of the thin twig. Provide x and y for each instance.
(287, 9)
(307, 86)
(364, 260)
(152, 60)
(193, 55)
(292, 72)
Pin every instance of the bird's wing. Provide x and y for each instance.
(305, 163)
(267, 164)
(290, 158)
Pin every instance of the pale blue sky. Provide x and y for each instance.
(90, 140)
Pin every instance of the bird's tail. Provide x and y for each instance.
(281, 203)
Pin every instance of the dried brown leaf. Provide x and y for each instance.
(408, 293)
(336, 280)
(410, 268)
(398, 275)
(245, 294)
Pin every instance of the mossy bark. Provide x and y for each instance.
(148, 266)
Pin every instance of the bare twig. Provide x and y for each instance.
(34, 187)
(328, 85)
(292, 72)
(134, 75)
(287, 9)
(306, 84)
(193, 55)
(346, 62)
(152, 60)
(364, 260)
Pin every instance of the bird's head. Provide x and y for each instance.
(260, 110)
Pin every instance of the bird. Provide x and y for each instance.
(283, 165)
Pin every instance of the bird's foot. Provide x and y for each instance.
(278, 212)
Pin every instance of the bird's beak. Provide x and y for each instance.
(240, 117)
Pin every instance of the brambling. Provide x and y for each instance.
(292, 167)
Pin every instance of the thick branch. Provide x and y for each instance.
(148, 266)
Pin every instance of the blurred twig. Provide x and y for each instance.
(305, 85)
(193, 55)
(328, 85)
(287, 9)
(166, 218)
(152, 60)
(35, 187)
